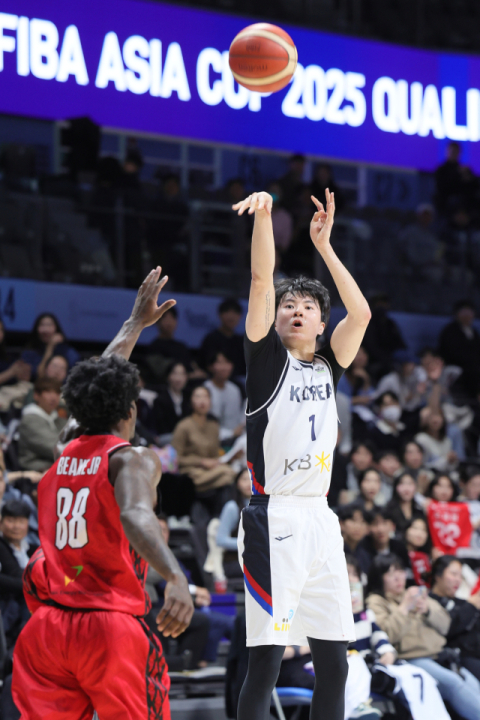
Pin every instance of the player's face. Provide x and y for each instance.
(299, 320)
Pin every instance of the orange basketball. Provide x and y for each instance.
(263, 58)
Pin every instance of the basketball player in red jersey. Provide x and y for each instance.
(87, 646)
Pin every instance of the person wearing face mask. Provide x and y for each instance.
(387, 431)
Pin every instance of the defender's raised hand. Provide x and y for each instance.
(146, 311)
(322, 221)
(257, 201)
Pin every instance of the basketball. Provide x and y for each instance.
(263, 58)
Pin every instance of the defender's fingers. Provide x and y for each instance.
(317, 202)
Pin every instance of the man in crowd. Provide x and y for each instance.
(227, 403)
(40, 426)
(224, 339)
(459, 344)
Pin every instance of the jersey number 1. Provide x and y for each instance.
(73, 531)
(312, 420)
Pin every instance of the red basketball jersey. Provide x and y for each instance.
(85, 561)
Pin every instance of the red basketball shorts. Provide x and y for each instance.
(68, 664)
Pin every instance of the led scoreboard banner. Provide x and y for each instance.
(163, 69)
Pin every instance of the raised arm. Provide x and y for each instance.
(261, 304)
(134, 473)
(348, 335)
(145, 313)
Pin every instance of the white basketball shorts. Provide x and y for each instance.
(296, 582)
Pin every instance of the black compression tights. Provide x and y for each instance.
(331, 668)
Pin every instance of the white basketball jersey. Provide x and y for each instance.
(292, 437)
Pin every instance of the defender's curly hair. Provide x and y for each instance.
(304, 287)
(99, 392)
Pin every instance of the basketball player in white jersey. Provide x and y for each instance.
(290, 545)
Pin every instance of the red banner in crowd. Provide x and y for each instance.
(421, 567)
(450, 525)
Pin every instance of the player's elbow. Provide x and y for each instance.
(363, 315)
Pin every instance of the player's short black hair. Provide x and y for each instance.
(16, 509)
(230, 304)
(304, 287)
(99, 392)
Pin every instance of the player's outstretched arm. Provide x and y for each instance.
(348, 335)
(261, 304)
(134, 473)
(145, 312)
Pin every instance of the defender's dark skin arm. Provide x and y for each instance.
(145, 313)
(135, 473)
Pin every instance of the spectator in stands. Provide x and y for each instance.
(459, 344)
(224, 339)
(437, 446)
(15, 375)
(370, 485)
(471, 495)
(421, 247)
(171, 404)
(165, 345)
(282, 220)
(354, 527)
(322, 179)
(382, 338)
(292, 183)
(388, 462)
(361, 458)
(10, 368)
(450, 181)
(380, 539)
(403, 507)
(464, 632)
(15, 552)
(407, 382)
(167, 238)
(47, 339)
(414, 462)
(442, 488)
(417, 626)
(356, 382)
(229, 518)
(197, 442)
(226, 398)
(40, 426)
(387, 431)
(217, 625)
(417, 541)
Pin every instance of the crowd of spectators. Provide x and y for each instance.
(405, 486)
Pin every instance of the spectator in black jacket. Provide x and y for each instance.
(172, 403)
(15, 552)
(165, 345)
(354, 527)
(459, 344)
(403, 507)
(464, 632)
(380, 540)
(224, 339)
(382, 338)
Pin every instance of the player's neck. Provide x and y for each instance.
(305, 354)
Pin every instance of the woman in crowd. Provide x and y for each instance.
(417, 626)
(437, 446)
(47, 339)
(442, 488)
(229, 519)
(370, 484)
(361, 458)
(464, 632)
(417, 540)
(387, 432)
(196, 440)
(171, 405)
(413, 461)
(403, 506)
